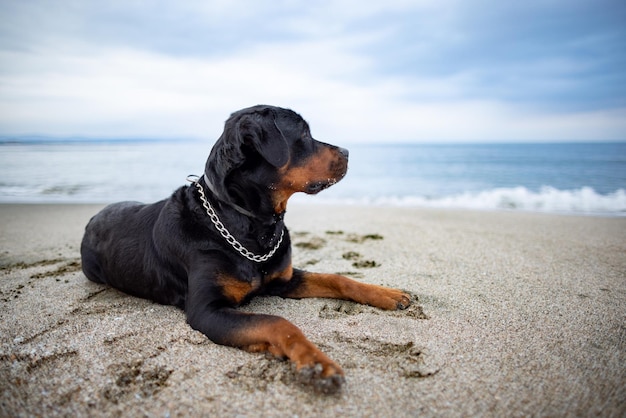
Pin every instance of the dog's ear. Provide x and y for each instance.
(260, 131)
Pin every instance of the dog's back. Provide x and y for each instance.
(118, 250)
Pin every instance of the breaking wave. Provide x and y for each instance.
(547, 199)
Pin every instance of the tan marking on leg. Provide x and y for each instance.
(340, 287)
(283, 339)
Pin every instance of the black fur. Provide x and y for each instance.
(171, 253)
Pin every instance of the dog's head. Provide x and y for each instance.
(266, 154)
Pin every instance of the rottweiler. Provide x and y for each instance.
(213, 245)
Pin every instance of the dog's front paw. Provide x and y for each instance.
(316, 370)
(326, 380)
(403, 300)
(390, 299)
(313, 368)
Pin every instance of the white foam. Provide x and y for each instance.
(548, 199)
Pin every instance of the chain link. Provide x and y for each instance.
(229, 237)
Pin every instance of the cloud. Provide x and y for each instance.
(401, 71)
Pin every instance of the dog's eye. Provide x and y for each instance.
(305, 140)
(301, 148)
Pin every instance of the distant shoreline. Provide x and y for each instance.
(46, 139)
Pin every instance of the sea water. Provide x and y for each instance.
(582, 178)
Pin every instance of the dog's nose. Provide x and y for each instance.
(344, 152)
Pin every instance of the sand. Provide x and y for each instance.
(518, 314)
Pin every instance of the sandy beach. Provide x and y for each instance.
(517, 314)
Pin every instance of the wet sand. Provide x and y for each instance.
(518, 314)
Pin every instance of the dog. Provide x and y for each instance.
(213, 245)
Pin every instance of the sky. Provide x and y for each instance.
(357, 70)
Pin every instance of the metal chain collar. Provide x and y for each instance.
(228, 236)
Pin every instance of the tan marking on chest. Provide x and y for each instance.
(284, 275)
(234, 289)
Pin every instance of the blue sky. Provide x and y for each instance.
(394, 71)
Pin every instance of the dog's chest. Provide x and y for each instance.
(240, 289)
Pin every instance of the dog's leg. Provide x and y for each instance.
(257, 333)
(319, 285)
(273, 334)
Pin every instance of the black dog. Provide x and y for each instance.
(213, 245)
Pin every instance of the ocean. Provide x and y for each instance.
(568, 178)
